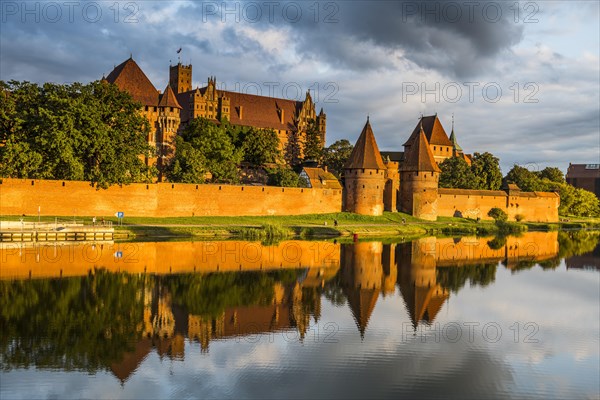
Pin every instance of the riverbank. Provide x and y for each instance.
(337, 225)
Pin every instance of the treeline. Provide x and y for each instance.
(90, 132)
(484, 174)
(573, 201)
(207, 152)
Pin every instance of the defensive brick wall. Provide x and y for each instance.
(532, 206)
(69, 198)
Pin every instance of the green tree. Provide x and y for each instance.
(486, 171)
(215, 147)
(90, 132)
(457, 174)
(336, 156)
(285, 177)
(525, 179)
(313, 146)
(188, 165)
(261, 146)
(552, 174)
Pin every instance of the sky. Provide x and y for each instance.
(522, 79)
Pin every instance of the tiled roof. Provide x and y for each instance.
(261, 111)
(434, 131)
(129, 77)
(168, 98)
(472, 192)
(419, 157)
(257, 111)
(397, 156)
(319, 178)
(365, 153)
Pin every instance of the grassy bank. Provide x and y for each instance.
(315, 226)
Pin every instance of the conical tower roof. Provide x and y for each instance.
(366, 153)
(168, 98)
(434, 132)
(129, 77)
(419, 156)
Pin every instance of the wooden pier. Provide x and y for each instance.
(11, 231)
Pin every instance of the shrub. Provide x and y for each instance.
(519, 217)
(498, 214)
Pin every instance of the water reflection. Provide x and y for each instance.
(104, 314)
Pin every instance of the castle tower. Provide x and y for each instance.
(180, 77)
(419, 177)
(364, 174)
(322, 125)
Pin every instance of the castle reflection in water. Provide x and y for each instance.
(155, 295)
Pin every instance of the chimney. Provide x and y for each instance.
(325, 168)
(241, 111)
(281, 115)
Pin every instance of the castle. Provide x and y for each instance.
(172, 109)
(410, 183)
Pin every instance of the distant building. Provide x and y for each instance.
(585, 176)
(180, 103)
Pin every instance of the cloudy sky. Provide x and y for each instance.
(521, 78)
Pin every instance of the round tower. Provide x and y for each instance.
(365, 177)
(419, 176)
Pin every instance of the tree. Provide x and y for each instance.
(457, 174)
(285, 177)
(261, 146)
(91, 132)
(525, 179)
(552, 174)
(188, 165)
(336, 156)
(313, 146)
(214, 146)
(486, 171)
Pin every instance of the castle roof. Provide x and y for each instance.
(365, 153)
(319, 178)
(253, 110)
(434, 131)
(168, 98)
(129, 77)
(455, 142)
(419, 157)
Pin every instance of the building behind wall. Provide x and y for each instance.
(179, 103)
(584, 176)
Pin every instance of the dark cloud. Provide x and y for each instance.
(460, 39)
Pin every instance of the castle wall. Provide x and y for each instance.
(69, 198)
(532, 206)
